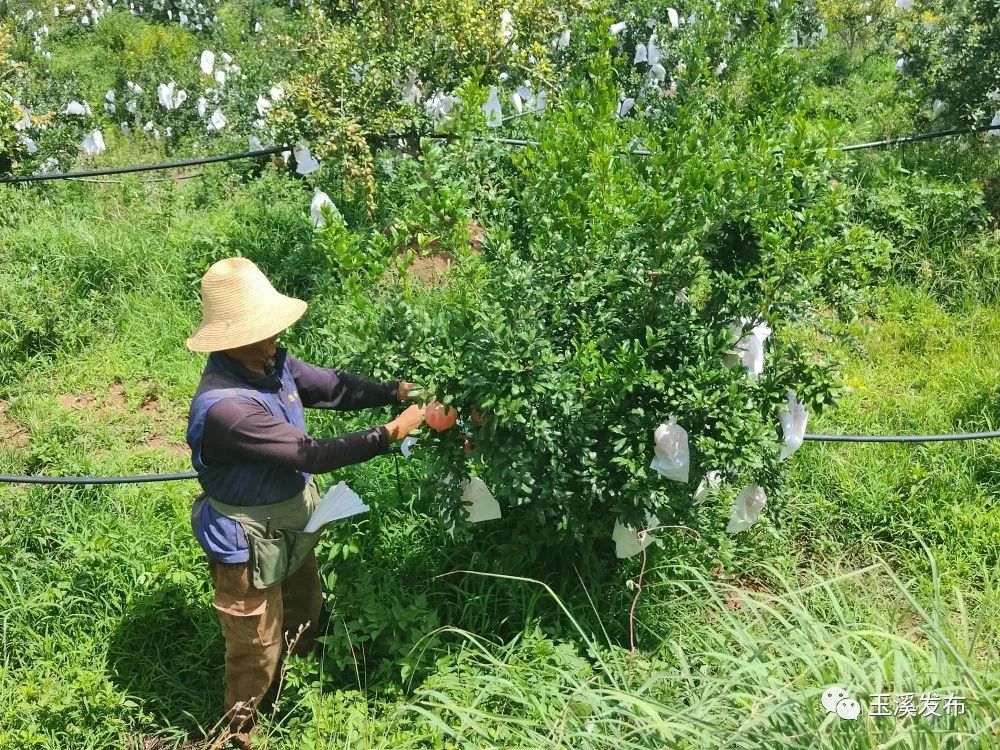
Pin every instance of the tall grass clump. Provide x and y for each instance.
(746, 670)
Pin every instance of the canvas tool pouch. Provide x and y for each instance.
(278, 545)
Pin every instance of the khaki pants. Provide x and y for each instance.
(254, 623)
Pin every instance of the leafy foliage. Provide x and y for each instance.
(371, 67)
(568, 329)
(10, 145)
(571, 329)
(952, 51)
(559, 316)
(857, 23)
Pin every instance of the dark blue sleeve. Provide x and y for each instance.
(237, 430)
(324, 388)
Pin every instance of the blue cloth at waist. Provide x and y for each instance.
(222, 538)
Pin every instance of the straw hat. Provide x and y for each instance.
(239, 307)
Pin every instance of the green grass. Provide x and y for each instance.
(877, 569)
(918, 368)
(748, 673)
(105, 608)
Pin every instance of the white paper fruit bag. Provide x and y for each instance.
(628, 541)
(339, 502)
(480, 503)
(406, 447)
(671, 457)
(793, 420)
(749, 348)
(709, 483)
(746, 509)
(321, 203)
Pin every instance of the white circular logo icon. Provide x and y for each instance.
(848, 708)
(832, 696)
(836, 700)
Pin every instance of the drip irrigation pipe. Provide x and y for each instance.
(921, 137)
(14, 179)
(519, 142)
(948, 437)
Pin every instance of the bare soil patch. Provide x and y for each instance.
(150, 405)
(735, 599)
(113, 400)
(742, 591)
(12, 432)
(732, 600)
(174, 449)
(910, 626)
(431, 268)
(476, 235)
(76, 403)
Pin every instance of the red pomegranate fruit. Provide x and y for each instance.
(438, 417)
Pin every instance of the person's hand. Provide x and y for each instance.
(407, 391)
(405, 423)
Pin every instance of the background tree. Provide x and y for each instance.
(10, 144)
(858, 22)
(951, 50)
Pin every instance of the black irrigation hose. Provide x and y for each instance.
(921, 137)
(15, 179)
(14, 479)
(450, 137)
(950, 437)
(519, 142)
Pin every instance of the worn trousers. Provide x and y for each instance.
(255, 624)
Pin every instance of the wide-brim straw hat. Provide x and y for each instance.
(239, 306)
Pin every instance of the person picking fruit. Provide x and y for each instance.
(256, 466)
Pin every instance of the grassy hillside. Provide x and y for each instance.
(882, 564)
(876, 569)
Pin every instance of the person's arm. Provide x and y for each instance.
(238, 430)
(325, 388)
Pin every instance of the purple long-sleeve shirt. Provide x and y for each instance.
(238, 430)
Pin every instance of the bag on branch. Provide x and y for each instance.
(746, 509)
(793, 420)
(672, 457)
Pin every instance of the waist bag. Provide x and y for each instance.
(278, 545)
